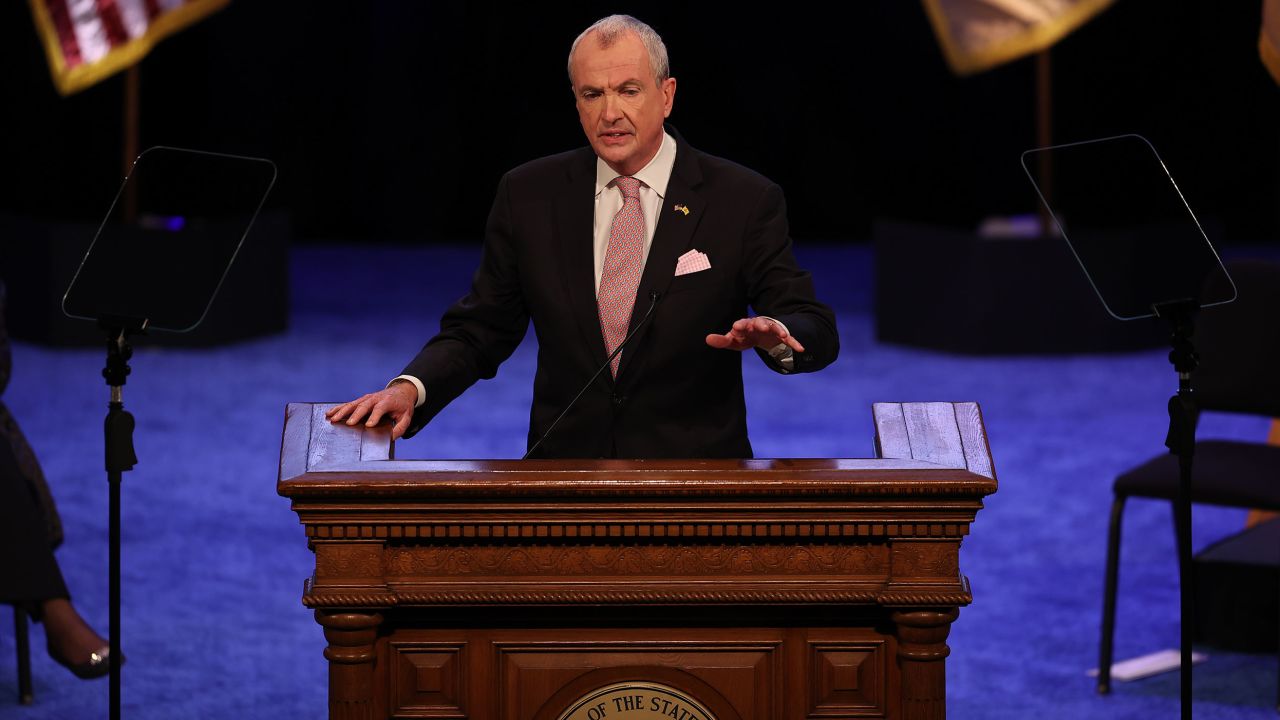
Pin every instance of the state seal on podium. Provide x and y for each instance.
(636, 700)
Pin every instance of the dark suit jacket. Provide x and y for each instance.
(674, 395)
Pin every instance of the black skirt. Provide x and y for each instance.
(29, 573)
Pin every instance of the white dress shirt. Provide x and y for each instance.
(653, 188)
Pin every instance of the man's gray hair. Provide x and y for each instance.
(610, 29)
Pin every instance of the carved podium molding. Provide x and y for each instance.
(776, 588)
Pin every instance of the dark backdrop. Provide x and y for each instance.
(394, 120)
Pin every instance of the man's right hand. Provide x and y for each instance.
(395, 402)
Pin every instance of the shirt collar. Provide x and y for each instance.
(655, 175)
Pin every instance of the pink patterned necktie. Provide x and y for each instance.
(622, 264)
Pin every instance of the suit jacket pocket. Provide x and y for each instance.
(701, 280)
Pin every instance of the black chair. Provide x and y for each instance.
(1239, 346)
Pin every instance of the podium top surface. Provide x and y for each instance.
(935, 450)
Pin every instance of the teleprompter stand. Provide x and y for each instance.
(1146, 256)
(1181, 441)
(157, 262)
(118, 441)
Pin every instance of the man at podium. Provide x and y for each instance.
(635, 258)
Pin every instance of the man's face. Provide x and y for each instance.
(619, 103)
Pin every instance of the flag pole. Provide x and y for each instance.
(132, 111)
(1044, 136)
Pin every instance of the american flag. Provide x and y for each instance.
(88, 40)
(977, 35)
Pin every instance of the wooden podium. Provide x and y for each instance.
(625, 589)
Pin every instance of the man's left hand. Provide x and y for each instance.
(754, 332)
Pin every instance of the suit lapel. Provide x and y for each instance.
(671, 239)
(575, 217)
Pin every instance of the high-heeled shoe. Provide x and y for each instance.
(67, 635)
(98, 664)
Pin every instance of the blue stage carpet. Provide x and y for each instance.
(214, 559)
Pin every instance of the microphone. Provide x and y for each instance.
(654, 296)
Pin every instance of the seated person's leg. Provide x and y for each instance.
(30, 578)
